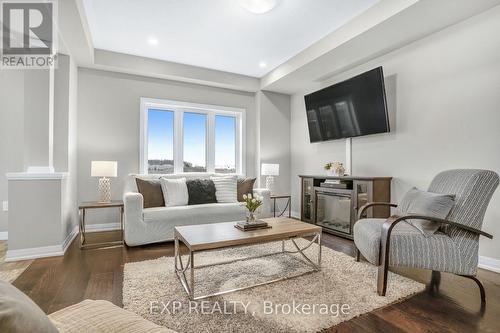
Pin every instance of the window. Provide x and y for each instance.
(225, 144)
(195, 142)
(160, 141)
(181, 137)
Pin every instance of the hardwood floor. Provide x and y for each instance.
(54, 283)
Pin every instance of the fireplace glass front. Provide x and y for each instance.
(333, 211)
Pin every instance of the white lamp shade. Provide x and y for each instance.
(270, 169)
(104, 169)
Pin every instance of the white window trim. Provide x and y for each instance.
(179, 107)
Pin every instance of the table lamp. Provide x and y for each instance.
(270, 170)
(104, 170)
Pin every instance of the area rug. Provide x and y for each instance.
(342, 290)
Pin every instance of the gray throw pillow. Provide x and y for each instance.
(418, 202)
(18, 313)
(201, 191)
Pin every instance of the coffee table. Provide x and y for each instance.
(206, 237)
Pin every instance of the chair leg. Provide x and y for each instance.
(435, 281)
(356, 252)
(479, 284)
(382, 279)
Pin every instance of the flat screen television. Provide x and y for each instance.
(351, 108)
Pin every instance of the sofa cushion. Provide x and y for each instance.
(175, 192)
(201, 191)
(244, 186)
(151, 192)
(102, 317)
(225, 188)
(18, 313)
(195, 214)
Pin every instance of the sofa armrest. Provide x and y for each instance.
(134, 203)
(264, 210)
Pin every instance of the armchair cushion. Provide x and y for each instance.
(409, 247)
(428, 204)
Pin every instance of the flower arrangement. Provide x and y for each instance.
(335, 168)
(252, 203)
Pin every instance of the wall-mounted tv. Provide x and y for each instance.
(351, 108)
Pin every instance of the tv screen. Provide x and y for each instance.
(354, 107)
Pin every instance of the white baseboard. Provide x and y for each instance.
(42, 252)
(4, 235)
(102, 227)
(490, 264)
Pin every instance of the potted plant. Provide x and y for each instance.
(252, 203)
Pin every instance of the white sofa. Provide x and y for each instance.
(152, 225)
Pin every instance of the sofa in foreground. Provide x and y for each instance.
(156, 224)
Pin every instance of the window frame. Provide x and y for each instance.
(211, 111)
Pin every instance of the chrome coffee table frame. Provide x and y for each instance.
(189, 287)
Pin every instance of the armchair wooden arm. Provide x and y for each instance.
(385, 239)
(370, 204)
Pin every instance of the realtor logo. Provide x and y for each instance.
(28, 34)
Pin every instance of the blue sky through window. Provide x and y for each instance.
(161, 141)
(160, 135)
(195, 132)
(225, 142)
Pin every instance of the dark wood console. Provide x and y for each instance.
(336, 208)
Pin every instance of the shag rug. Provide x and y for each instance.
(342, 290)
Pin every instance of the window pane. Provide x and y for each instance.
(225, 144)
(160, 141)
(195, 133)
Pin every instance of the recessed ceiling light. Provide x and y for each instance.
(258, 6)
(262, 64)
(153, 41)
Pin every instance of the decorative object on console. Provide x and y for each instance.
(104, 170)
(226, 188)
(270, 170)
(175, 192)
(252, 204)
(334, 169)
(151, 192)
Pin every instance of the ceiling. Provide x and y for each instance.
(216, 34)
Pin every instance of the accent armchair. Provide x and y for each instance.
(453, 248)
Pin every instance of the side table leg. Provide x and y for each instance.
(121, 224)
(191, 258)
(319, 249)
(82, 228)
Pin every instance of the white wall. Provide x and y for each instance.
(108, 124)
(11, 131)
(444, 96)
(274, 137)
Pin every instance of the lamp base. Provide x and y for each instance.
(104, 190)
(270, 183)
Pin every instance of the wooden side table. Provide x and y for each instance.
(96, 205)
(274, 197)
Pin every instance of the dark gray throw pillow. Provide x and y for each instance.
(19, 314)
(418, 202)
(201, 191)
